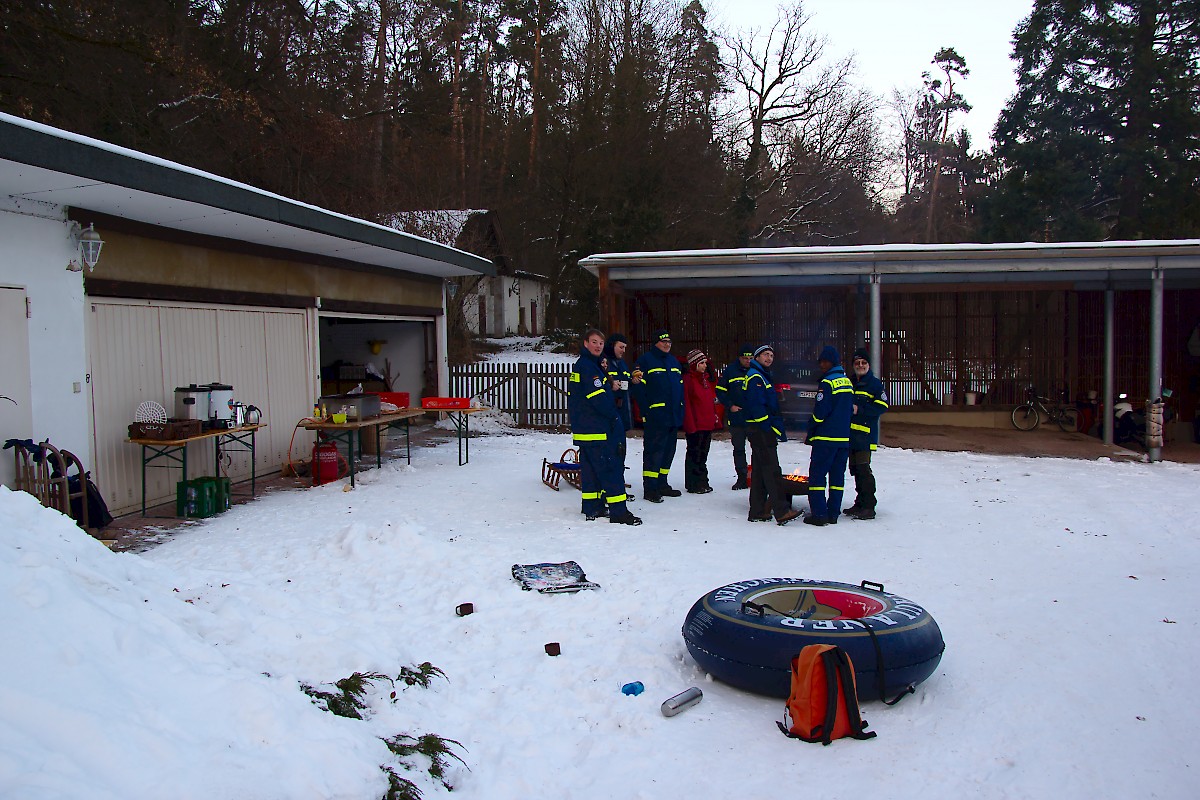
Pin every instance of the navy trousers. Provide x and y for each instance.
(827, 471)
(658, 451)
(602, 478)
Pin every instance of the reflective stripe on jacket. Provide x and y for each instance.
(660, 394)
(831, 414)
(731, 391)
(590, 405)
(871, 400)
(762, 401)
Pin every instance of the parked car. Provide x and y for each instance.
(797, 386)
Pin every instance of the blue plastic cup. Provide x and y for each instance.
(633, 688)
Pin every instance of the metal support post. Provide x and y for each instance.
(1156, 340)
(1109, 393)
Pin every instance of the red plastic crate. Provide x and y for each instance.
(398, 399)
(445, 402)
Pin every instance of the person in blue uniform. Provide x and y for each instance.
(597, 430)
(730, 391)
(660, 396)
(829, 436)
(764, 429)
(870, 403)
(618, 373)
(620, 380)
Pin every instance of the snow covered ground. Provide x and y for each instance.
(1065, 591)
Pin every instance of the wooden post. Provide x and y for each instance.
(522, 395)
(605, 300)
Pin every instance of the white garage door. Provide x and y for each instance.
(141, 350)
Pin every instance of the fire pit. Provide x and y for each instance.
(795, 485)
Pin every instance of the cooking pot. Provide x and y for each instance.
(191, 402)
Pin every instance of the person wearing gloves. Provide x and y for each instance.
(829, 435)
(596, 429)
(660, 396)
(764, 429)
(730, 393)
(870, 402)
(700, 419)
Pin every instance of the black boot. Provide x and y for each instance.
(625, 519)
(667, 491)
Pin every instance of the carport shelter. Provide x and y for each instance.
(200, 280)
(941, 321)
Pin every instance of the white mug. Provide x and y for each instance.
(624, 386)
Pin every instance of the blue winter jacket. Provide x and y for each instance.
(731, 391)
(590, 405)
(831, 414)
(870, 398)
(761, 407)
(619, 371)
(660, 395)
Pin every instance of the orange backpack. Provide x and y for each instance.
(823, 705)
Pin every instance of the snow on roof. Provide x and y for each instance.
(443, 226)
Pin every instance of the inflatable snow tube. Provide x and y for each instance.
(745, 634)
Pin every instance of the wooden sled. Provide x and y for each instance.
(567, 467)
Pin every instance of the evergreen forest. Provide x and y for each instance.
(593, 126)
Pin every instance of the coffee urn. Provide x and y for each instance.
(220, 405)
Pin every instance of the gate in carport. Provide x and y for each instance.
(142, 350)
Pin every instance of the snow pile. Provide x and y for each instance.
(113, 688)
(1064, 590)
(529, 350)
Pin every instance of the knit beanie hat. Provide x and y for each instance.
(746, 351)
(829, 353)
(660, 334)
(695, 356)
(762, 349)
(863, 354)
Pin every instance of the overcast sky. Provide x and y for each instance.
(894, 42)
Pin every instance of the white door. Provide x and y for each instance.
(16, 412)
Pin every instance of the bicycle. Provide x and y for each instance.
(1028, 415)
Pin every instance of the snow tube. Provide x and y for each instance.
(745, 634)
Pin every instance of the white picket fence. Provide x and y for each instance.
(535, 394)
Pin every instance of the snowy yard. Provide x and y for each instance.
(1064, 590)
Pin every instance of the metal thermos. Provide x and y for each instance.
(682, 701)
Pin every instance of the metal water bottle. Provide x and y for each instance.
(682, 701)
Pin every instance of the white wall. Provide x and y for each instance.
(504, 306)
(34, 253)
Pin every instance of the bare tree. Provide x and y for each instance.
(783, 79)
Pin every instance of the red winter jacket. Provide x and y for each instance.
(699, 402)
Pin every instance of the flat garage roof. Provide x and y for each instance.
(1085, 265)
(44, 165)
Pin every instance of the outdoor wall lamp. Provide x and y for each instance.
(89, 243)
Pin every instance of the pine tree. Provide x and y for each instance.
(1102, 138)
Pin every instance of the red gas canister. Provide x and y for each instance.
(324, 462)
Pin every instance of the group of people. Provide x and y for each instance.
(844, 429)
